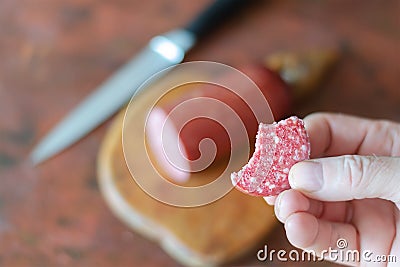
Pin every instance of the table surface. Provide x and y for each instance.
(53, 53)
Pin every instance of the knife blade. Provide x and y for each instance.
(161, 52)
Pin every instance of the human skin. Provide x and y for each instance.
(350, 189)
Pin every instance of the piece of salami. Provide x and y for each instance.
(278, 147)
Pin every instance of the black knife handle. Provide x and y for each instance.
(214, 15)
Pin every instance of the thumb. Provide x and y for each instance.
(348, 177)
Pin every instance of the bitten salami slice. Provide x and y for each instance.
(278, 147)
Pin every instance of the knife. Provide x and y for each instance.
(161, 52)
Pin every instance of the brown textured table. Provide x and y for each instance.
(53, 53)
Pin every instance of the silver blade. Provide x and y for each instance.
(162, 52)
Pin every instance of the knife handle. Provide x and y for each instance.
(214, 15)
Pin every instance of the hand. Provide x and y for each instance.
(350, 190)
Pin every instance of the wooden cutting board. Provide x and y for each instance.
(207, 235)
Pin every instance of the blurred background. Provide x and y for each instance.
(54, 53)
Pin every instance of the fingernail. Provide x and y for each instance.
(278, 205)
(306, 176)
(278, 202)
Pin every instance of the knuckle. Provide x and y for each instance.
(391, 133)
(394, 141)
(356, 170)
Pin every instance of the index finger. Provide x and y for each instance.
(337, 134)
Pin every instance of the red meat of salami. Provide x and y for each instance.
(278, 147)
